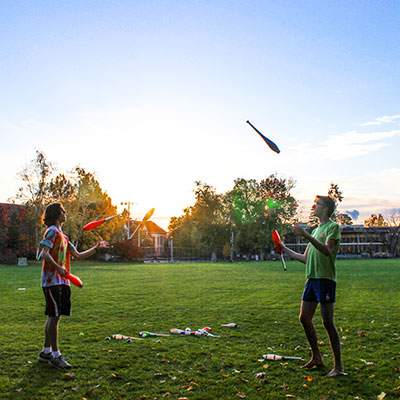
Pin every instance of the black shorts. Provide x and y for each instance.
(320, 291)
(58, 300)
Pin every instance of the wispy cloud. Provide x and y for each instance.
(386, 119)
(349, 144)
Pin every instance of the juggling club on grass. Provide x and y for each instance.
(275, 357)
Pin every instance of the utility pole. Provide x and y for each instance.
(128, 203)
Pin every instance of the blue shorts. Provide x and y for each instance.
(320, 291)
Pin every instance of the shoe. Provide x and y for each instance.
(59, 363)
(44, 357)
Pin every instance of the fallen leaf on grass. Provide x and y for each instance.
(70, 374)
(290, 395)
(166, 394)
(371, 376)
(260, 375)
(183, 398)
(382, 396)
(308, 378)
(243, 380)
(361, 334)
(90, 390)
(225, 376)
(116, 376)
(18, 390)
(367, 362)
(241, 395)
(266, 366)
(285, 386)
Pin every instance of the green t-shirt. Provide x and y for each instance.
(318, 265)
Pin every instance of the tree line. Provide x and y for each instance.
(83, 199)
(239, 221)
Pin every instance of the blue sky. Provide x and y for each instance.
(153, 95)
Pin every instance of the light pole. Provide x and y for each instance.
(128, 203)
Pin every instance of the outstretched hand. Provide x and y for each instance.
(102, 245)
(298, 230)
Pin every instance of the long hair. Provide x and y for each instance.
(51, 214)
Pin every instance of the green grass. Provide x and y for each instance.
(261, 298)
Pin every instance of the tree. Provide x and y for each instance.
(34, 194)
(375, 220)
(181, 229)
(239, 214)
(202, 225)
(210, 230)
(79, 192)
(337, 195)
(341, 218)
(85, 201)
(256, 208)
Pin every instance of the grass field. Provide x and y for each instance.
(261, 298)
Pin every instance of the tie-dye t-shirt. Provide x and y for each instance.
(59, 246)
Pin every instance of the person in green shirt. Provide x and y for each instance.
(319, 257)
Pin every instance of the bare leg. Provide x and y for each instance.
(51, 333)
(327, 314)
(307, 312)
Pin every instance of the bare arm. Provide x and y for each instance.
(325, 248)
(294, 255)
(50, 260)
(87, 253)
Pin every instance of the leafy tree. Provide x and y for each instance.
(34, 194)
(85, 201)
(375, 220)
(79, 192)
(202, 225)
(181, 229)
(337, 195)
(341, 218)
(240, 214)
(210, 230)
(256, 208)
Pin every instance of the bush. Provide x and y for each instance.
(127, 250)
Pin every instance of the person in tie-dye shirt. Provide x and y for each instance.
(57, 250)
